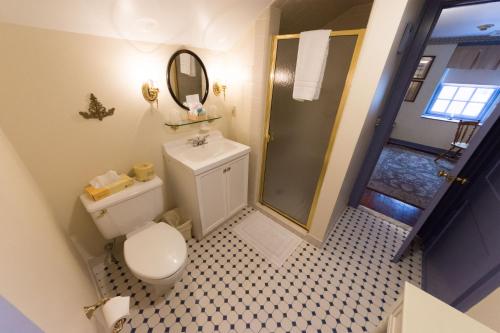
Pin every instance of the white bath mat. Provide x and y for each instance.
(267, 237)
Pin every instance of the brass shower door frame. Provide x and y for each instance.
(357, 48)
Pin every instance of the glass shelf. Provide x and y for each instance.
(185, 122)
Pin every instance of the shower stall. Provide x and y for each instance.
(300, 135)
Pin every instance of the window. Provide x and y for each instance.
(461, 101)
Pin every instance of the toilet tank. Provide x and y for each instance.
(126, 210)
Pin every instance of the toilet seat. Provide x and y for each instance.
(155, 252)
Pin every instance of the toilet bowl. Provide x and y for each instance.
(155, 253)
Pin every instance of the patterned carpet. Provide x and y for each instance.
(344, 286)
(408, 175)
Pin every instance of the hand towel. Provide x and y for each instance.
(188, 65)
(311, 63)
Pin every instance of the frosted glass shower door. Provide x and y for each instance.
(299, 133)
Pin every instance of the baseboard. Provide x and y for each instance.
(91, 263)
(313, 240)
(417, 146)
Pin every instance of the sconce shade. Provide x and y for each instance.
(150, 92)
(218, 89)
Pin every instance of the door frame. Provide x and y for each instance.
(360, 33)
(395, 95)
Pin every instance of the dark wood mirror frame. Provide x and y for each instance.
(170, 88)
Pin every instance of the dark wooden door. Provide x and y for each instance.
(467, 253)
(489, 126)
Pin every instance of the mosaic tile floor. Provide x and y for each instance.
(345, 286)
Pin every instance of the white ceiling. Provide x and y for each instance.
(463, 21)
(212, 24)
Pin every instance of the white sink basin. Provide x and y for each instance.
(217, 151)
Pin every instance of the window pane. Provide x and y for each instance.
(482, 95)
(455, 108)
(473, 109)
(447, 92)
(440, 105)
(464, 94)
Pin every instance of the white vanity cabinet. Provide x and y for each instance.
(221, 193)
(209, 182)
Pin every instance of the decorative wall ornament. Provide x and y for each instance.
(96, 110)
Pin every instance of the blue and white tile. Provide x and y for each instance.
(345, 286)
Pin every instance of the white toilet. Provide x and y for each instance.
(154, 252)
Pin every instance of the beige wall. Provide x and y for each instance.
(40, 273)
(46, 79)
(487, 311)
(266, 26)
(375, 68)
(251, 58)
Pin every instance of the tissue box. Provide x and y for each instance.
(97, 193)
(101, 193)
(121, 184)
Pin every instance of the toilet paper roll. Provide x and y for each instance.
(144, 171)
(115, 309)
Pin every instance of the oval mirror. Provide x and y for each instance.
(187, 78)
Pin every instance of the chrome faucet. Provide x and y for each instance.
(198, 140)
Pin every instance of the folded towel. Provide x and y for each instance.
(188, 65)
(105, 179)
(311, 63)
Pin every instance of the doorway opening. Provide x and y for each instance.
(452, 93)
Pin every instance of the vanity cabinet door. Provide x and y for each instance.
(237, 185)
(212, 198)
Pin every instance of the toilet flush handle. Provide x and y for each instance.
(102, 212)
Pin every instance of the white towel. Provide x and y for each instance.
(105, 179)
(188, 65)
(311, 63)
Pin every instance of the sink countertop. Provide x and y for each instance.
(217, 151)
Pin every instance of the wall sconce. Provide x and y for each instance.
(150, 92)
(219, 88)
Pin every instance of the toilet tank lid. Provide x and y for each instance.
(130, 192)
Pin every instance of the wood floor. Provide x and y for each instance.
(391, 207)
